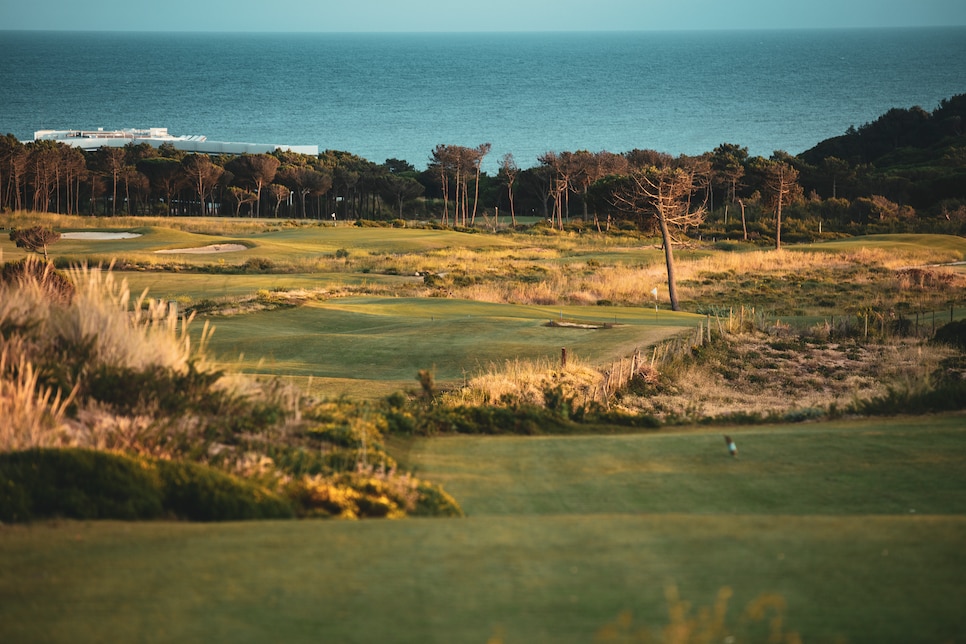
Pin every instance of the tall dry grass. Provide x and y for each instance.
(130, 332)
(518, 381)
(32, 415)
(100, 325)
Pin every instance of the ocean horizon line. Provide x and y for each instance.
(510, 32)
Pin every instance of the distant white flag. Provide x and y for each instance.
(654, 291)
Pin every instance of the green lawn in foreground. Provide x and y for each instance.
(895, 467)
(388, 340)
(549, 552)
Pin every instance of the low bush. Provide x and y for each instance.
(624, 419)
(199, 493)
(434, 501)
(133, 391)
(257, 265)
(369, 492)
(77, 484)
(952, 334)
(88, 484)
(949, 395)
(524, 420)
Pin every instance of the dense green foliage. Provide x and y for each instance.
(905, 171)
(953, 334)
(89, 484)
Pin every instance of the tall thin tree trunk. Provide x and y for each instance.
(744, 225)
(778, 224)
(672, 287)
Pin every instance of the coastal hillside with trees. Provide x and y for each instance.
(903, 172)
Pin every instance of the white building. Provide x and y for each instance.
(155, 136)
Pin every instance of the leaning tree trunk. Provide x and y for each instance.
(672, 287)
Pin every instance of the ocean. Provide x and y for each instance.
(399, 95)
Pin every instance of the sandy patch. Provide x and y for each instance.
(99, 236)
(201, 250)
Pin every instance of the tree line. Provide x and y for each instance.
(904, 171)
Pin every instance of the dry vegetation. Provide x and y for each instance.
(861, 341)
(85, 365)
(782, 376)
(805, 329)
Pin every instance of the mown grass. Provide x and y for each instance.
(907, 466)
(192, 288)
(954, 246)
(391, 339)
(818, 515)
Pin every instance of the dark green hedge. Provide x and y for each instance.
(87, 484)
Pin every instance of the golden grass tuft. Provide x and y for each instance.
(33, 415)
(135, 333)
(526, 381)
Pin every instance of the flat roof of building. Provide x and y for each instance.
(156, 136)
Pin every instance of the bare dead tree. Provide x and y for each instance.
(202, 175)
(476, 158)
(782, 187)
(667, 193)
(510, 170)
(279, 193)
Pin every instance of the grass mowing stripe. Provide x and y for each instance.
(861, 467)
(530, 579)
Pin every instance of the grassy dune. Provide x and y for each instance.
(564, 535)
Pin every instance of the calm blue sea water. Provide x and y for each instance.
(392, 95)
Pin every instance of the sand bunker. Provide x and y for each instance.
(212, 248)
(99, 236)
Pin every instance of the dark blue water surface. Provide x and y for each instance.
(399, 95)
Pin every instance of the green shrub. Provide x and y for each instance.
(953, 334)
(130, 390)
(949, 395)
(76, 484)
(434, 501)
(736, 418)
(87, 484)
(639, 421)
(525, 420)
(346, 460)
(199, 493)
(400, 422)
(257, 265)
(803, 415)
